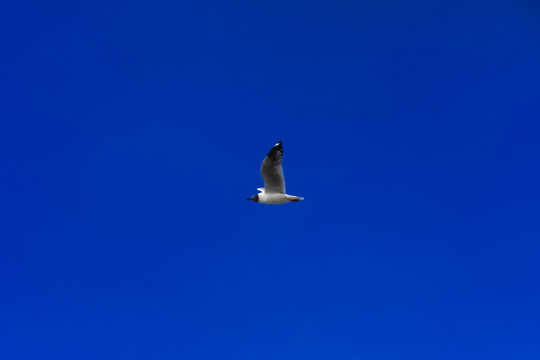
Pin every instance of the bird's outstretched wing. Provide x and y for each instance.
(272, 171)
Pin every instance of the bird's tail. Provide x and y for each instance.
(294, 198)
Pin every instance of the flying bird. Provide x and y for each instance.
(273, 191)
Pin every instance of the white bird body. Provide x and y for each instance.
(273, 192)
(276, 198)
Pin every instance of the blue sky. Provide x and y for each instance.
(133, 132)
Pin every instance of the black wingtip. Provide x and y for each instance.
(278, 145)
(276, 152)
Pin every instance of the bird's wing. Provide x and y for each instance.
(272, 171)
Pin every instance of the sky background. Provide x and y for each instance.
(132, 133)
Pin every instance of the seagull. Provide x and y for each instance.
(273, 191)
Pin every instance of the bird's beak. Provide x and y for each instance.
(249, 199)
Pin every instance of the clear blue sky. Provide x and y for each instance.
(132, 133)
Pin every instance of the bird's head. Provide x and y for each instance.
(254, 198)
